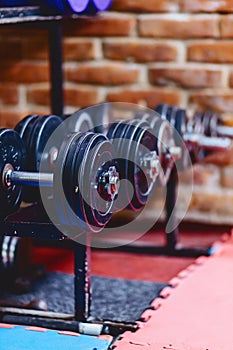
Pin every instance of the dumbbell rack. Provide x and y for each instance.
(21, 224)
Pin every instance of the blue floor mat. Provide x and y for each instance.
(19, 338)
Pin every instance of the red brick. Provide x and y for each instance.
(140, 51)
(82, 96)
(36, 48)
(141, 6)
(106, 74)
(9, 94)
(220, 102)
(78, 50)
(179, 26)
(213, 52)
(151, 97)
(24, 72)
(227, 26)
(11, 49)
(78, 96)
(110, 25)
(186, 77)
(39, 95)
(207, 6)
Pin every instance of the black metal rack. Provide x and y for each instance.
(27, 17)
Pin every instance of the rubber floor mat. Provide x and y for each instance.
(117, 300)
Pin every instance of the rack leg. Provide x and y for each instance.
(82, 280)
(171, 195)
(56, 74)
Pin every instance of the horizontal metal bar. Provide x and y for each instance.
(31, 179)
(209, 143)
(223, 130)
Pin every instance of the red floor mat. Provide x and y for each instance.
(197, 314)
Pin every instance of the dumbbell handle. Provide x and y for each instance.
(224, 130)
(28, 179)
(109, 178)
(209, 143)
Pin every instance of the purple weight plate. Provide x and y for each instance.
(102, 5)
(77, 6)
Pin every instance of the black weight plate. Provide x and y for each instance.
(77, 196)
(214, 122)
(26, 136)
(97, 158)
(180, 126)
(102, 117)
(134, 172)
(161, 109)
(43, 127)
(142, 183)
(22, 125)
(67, 209)
(5, 241)
(198, 127)
(25, 129)
(69, 179)
(180, 121)
(13, 152)
(59, 212)
(171, 115)
(206, 119)
(80, 122)
(112, 129)
(163, 132)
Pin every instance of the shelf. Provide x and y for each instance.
(15, 15)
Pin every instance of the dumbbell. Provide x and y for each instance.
(84, 171)
(212, 124)
(166, 149)
(15, 256)
(135, 146)
(192, 133)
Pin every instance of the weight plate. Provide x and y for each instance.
(13, 152)
(214, 122)
(171, 115)
(143, 184)
(102, 5)
(60, 203)
(66, 188)
(164, 140)
(98, 159)
(42, 131)
(37, 134)
(77, 6)
(25, 129)
(161, 109)
(102, 117)
(180, 126)
(73, 161)
(22, 125)
(5, 241)
(80, 122)
(196, 124)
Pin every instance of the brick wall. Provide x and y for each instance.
(174, 51)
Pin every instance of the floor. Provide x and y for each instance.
(131, 265)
